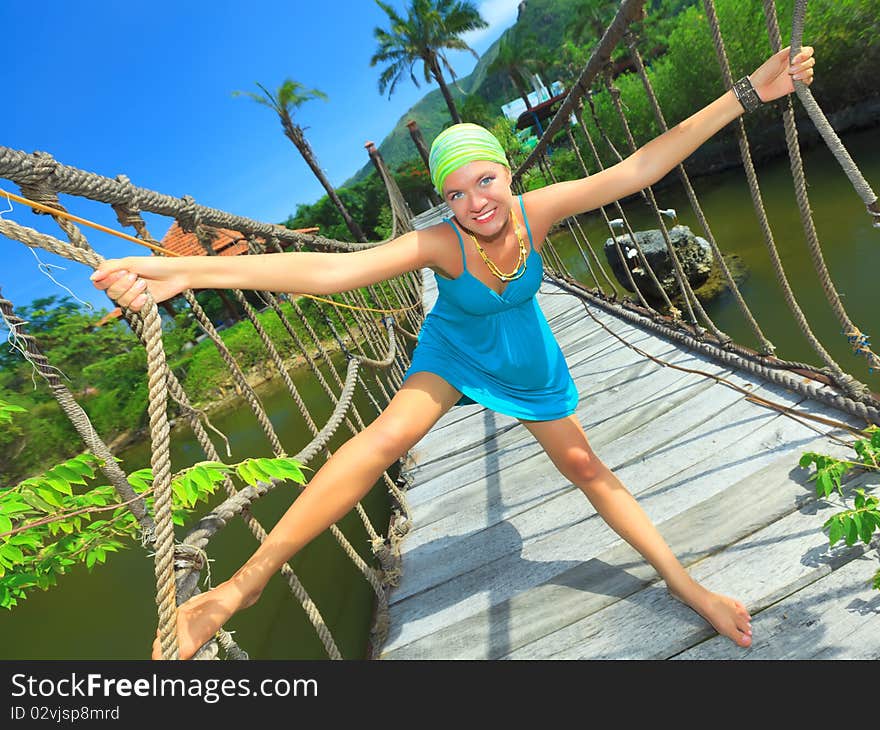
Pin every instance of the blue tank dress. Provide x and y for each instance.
(496, 349)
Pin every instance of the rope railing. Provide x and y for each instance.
(366, 342)
(856, 397)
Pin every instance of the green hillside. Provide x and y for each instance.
(544, 20)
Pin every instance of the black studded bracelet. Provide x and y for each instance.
(746, 95)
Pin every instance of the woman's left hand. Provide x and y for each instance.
(775, 77)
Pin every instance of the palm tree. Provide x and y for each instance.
(289, 97)
(510, 61)
(430, 27)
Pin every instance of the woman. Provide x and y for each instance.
(485, 339)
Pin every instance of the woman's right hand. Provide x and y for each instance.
(127, 279)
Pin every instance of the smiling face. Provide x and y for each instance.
(479, 195)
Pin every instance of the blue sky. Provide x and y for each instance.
(144, 88)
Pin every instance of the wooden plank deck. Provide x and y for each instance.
(506, 559)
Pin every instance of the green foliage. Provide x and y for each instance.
(48, 525)
(861, 522)
(429, 29)
(414, 181)
(474, 110)
(843, 32)
(289, 96)
(110, 380)
(677, 48)
(6, 411)
(364, 202)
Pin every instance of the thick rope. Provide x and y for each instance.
(765, 345)
(649, 270)
(160, 460)
(41, 172)
(805, 94)
(868, 409)
(684, 287)
(629, 12)
(622, 217)
(857, 339)
(758, 202)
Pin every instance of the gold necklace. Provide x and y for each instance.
(520, 267)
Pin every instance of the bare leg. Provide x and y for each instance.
(334, 490)
(566, 444)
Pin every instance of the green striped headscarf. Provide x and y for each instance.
(460, 144)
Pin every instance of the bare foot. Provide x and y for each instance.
(199, 618)
(728, 616)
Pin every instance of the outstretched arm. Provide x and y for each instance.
(125, 279)
(655, 159)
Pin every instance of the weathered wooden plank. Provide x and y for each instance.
(759, 569)
(573, 538)
(610, 401)
(835, 617)
(618, 572)
(519, 568)
(486, 431)
(481, 533)
(507, 567)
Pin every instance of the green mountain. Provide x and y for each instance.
(543, 20)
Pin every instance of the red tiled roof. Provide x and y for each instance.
(225, 242)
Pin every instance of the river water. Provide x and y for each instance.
(111, 614)
(850, 245)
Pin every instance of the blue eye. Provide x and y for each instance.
(454, 196)
(486, 180)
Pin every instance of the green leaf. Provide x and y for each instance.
(246, 473)
(215, 465)
(836, 529)
(824, 484)
(258, 471)
(12, 552)
(192, 492)
(290, 470)
(202, 479)
(82, 468)
(57, 483)
(5, 524)
(66, 473)
(269, 467)
(852, 532)
(36, 502)
(179, 490)
(27, 538)
(13, 508)
(90, 559)
(50, 497)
